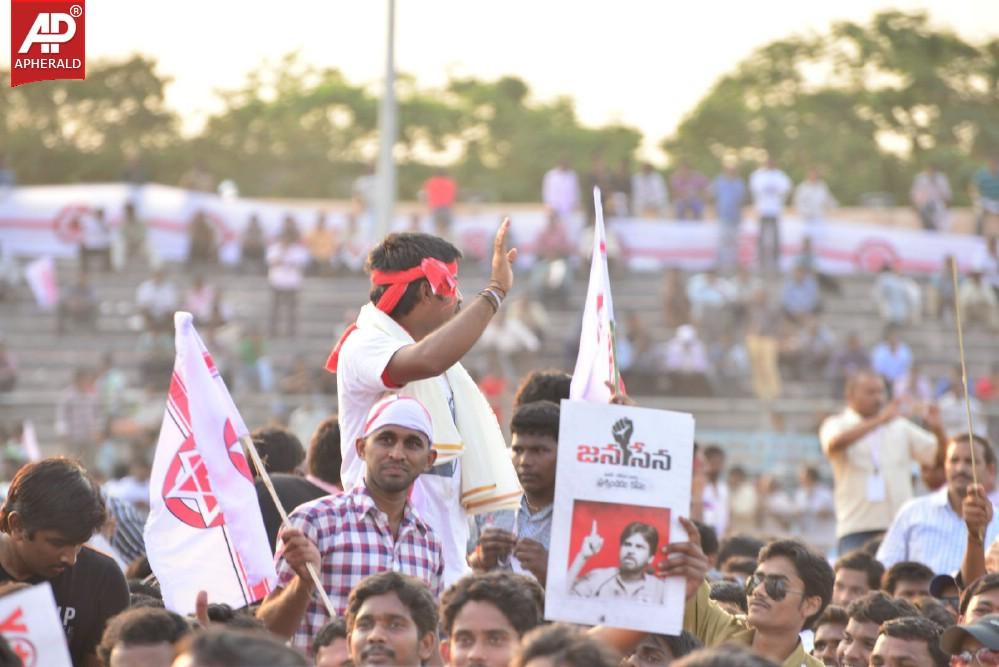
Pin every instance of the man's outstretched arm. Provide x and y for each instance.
(443, 348)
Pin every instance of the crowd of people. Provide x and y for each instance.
(892, 565)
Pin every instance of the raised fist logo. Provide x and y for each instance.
(622, 430)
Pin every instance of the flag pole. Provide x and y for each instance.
(258, 463)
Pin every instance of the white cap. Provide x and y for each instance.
(396, 410)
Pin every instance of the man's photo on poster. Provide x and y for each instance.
(614, 549)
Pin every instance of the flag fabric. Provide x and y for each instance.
(596, 364)
(29, 441)
(29, 621)
(41, 278)
(205, 530)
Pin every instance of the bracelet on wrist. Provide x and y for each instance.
(492, 299)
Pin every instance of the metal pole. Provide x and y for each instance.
(387, 129)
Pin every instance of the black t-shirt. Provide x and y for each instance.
(292, 491)
(87, 595)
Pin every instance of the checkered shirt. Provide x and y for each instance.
(355, 541)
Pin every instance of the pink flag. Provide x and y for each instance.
(41, 278)
(597, 361)
(204, 531)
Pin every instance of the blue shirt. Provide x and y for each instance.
(928, 530)
(801, 297)
(892, 365)
(730, 195)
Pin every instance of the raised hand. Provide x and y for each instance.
(502, 265)
(592, 543)
(976, 510)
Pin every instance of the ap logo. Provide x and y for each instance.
(47, 40)
(50, 30)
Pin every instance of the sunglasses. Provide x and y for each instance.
(775, 586)
(983, 656)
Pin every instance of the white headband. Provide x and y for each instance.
(403, 411)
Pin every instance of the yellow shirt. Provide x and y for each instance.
(714, 626)
(896, 446)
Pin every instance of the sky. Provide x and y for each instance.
(645, 63)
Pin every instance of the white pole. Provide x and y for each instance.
(387, 129)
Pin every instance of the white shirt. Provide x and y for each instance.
(96, 235)
(715, 499)
(560, 190)
(648, 193)
(891, 449)
(928, 530)
(158, 299)
(360, 383)
(770, 188)
(813, 200)
(287, 263)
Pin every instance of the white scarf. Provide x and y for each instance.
(488, 479)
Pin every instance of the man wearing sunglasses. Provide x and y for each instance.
(788, 591)
(974, 645)
(909, 642)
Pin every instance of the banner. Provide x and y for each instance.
(205, 530)
(43, 220)
(596, 363)
(41, 278)
(29, 621)
(622, 481)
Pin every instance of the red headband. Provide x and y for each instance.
(442, 278)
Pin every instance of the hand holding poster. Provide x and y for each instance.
(622, 482)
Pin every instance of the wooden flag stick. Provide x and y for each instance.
(259, 465)
(964, 369)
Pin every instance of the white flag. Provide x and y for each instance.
(205, 530)
(596, 364)
(29, 441)
(41, 278)
(29, 621)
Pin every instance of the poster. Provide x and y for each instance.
(622, 482)
(29, 621)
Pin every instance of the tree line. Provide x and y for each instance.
(870, 104)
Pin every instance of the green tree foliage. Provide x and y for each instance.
(66, 131)
(870, 103)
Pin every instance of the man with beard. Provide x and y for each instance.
(410, 338)
(866, 616)
(871, 450)
(932, 529)
(630, 579)
(391, 620)
(368, 530)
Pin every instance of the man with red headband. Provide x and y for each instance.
(410, 339)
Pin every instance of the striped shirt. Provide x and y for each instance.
(929, 531)
(355, 540)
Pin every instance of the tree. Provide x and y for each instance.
(872, 103)
(66, 131)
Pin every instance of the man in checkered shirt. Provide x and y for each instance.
(371, 529)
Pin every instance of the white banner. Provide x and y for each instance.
(43, 220)
(622, 481)
(596, 363)
(29, 621)
(203, 506)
